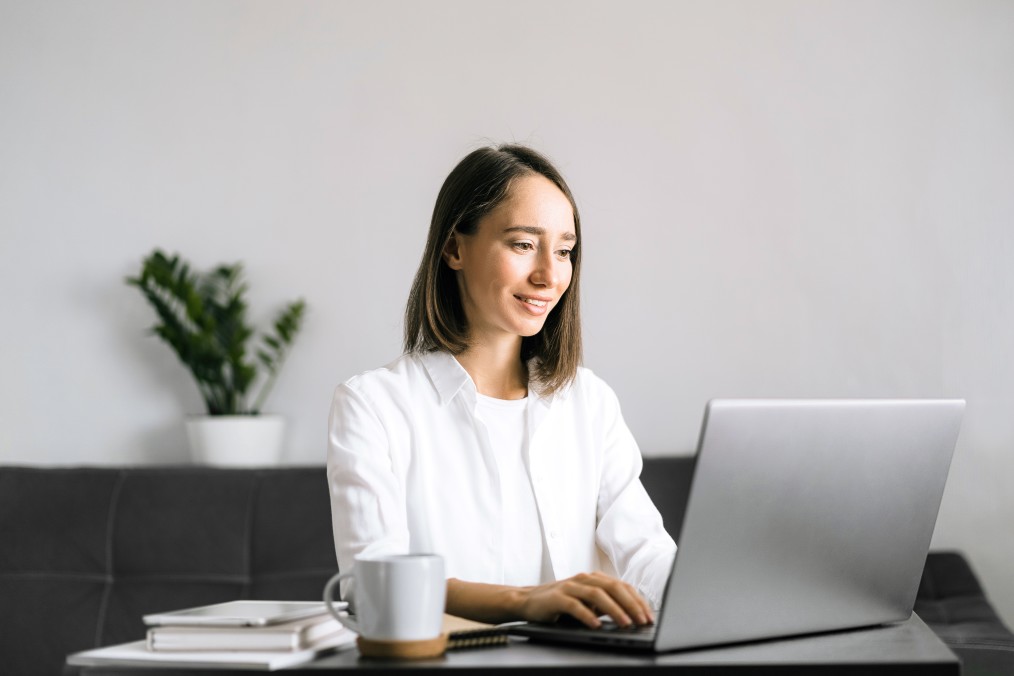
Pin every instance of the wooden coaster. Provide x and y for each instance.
(402, 650)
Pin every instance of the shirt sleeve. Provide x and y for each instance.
(368, 501)
(630, 530)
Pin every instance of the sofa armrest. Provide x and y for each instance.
(953, 603)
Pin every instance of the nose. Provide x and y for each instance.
(546, 272)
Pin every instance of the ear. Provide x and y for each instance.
(452, 253)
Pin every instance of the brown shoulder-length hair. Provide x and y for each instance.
(435, 317)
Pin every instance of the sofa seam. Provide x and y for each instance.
(69, 574)
(107, 593)
(297, 573)
(248, 535)
(981, 643)
(208, 577)
(237, 578)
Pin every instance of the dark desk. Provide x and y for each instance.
(906, 648)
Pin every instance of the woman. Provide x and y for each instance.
(486, 442)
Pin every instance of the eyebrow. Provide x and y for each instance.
(535, 230)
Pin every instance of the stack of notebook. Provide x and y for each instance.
(239, 634)
(255, 635)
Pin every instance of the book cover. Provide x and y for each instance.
(136, 654)
(292, 635)
(462, 633)
(241, 613)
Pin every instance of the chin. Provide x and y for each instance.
(527, 330)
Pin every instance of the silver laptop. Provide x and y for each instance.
(804, 516)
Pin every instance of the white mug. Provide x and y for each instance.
(397, 598)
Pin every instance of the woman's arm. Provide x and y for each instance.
(367, 498)
(629, 528)
(583, 597)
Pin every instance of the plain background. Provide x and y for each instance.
(778, 198)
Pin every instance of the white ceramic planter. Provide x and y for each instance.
(236, 440)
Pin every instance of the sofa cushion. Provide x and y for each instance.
(88, 551)
(667, 481)
(952, 602)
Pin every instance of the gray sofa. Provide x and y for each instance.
(87, 551)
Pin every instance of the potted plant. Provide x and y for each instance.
(202, 317)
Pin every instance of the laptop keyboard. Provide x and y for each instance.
(612, 627)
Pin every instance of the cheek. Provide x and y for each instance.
(566, 274)
(507, 270)
(491, 277)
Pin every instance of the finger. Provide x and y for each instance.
(600, 599)
(580, 612)
(632, 603)
(649, 616)
(630, 600)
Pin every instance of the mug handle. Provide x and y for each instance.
(329, 597)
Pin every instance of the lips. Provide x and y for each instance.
(535, 306)
(533, 300)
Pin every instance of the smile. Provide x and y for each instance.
(532, 301)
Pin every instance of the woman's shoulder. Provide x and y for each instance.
(589, 385)
(416, 377)
(397, 374)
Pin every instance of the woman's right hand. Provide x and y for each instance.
(585, 597)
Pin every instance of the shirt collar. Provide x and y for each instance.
(446, 374)
(449, 378)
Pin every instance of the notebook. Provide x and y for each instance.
(299, 634)
(136, 654)
(462, 633)
(804, 516)
(241, 613)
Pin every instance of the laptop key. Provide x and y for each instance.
(609, 625)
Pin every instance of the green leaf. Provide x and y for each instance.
(202, 318)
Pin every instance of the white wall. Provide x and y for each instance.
(779, 199)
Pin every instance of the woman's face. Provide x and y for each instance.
(515, 268)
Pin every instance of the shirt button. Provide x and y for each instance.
(552, 535)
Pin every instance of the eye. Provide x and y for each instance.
(523, 246)
(564, 253)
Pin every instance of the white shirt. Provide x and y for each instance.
(506, 422)
(411, 469)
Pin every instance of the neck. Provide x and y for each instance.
(496, 368)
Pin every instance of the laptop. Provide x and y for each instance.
(804, 516)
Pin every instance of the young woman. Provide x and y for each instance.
(486, 442)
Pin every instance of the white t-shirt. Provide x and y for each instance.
(411, 469)
(506, 423)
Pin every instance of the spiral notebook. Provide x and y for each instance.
(462, 633)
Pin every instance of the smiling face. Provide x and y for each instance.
(513, 270)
